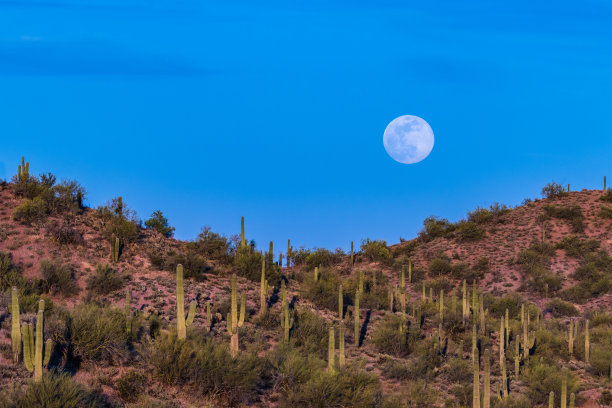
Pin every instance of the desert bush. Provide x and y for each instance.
(607, 196)
(65, 234)
(469, 231)
(290, 368)
(396, 369)
(158, 222)
(388, 339)
(310, 332)
(323, 257)
(543, 378)
(576, 247)
(594, 276)
(439, 283)
(417, 395)
(439, 266)
(492, 214)
(119, 220)
(58, 278)
(248, 261)
(105, 280)
(554, 190)
(130, 385)
(375, 251)
(195, 266)
(455, 371)
(605, 212)
(346, 388)
(512, 302)
(54, 391)
(324, 291)
(212, 245)
(97, 334)
(572, 214)
(10, 274)
(206, 365)
(600, 358)
(550, 344)
(30, 211)
(434, 227)
(559, 308)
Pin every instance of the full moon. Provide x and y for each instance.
(408, 139)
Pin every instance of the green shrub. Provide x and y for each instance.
(559, 308)
(388, 339)
(105, 280)
(469, 231)
(212, 245)
(10, 275)
(54, 391)
(511, 301)
(600, 357)
(456, 369)
(346, 388)
(607, 196)
(58, 278)
(435, 227)
(554, 190)
(292, 369)
(543, 378)
(159, 223)
(119, 220)
(573, 214)
(396, 369)
(65, 234)
(418, 394)
(323, 257)
(248, 261)
(130, 385)
(375, 251)
(577, 248)
(310, 333)
(440, 265)
(605, 212)
(195, 265)
(30, 211)
(97, 334)
(492, 214)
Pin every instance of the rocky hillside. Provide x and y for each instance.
(414, 324)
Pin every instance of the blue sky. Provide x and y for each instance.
(275, 110)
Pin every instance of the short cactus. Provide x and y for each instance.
(181, 322)
(115, 249)
(287, 320)
(15, 330)
(35, 354)
(233, 321)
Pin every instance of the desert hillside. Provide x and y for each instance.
(510, 307)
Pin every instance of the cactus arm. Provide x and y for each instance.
(48, 351)
(242, 310)
(191, 314)
(28, 347)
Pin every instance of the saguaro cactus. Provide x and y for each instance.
(486, 394)
(233, 321)
(361, 283)
(287, 320)
(572, 400)
(181, 323)
(464, 304)
(476, 391)
(263, 290)
(331, 351)
(128, 313)
(587, 346)
(352, 255)
(341, 358)
(243, 242)
(340, 303)
(570, 342)
(316, 274)
(35, 354)
(441, 304)
(288, 253)
(115, 249)
(409, 270)
(271, 253)
(564, 388)
(24, 171)
(15, 330)
(357, 324)
(551, 399)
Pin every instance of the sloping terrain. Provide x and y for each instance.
(544, 263)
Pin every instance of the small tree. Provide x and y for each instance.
(553, 190)
(159, 223)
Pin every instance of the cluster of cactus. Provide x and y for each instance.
(181, 322)
(551, 395)
(287, 318)
(234, 322)
(23, 173)
(115, 248)
(36, 355)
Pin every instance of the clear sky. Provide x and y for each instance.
(275, 110)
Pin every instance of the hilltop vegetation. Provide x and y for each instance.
(509, 307)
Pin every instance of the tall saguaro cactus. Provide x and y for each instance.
(352, 255)
(357, 323)
(115, 248)
(587, 347)
(340, 303)
(128, 313)
(287, 320)
(243, 243)
(234, 322)
(570, 341)
(331, 351)
(564, 388)
(181, 322)
(289, 253)
(263, 290)
(35, 354)
(24, 171)
(486, 394)
(476, 391)
(15, 330)
(341, 357)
